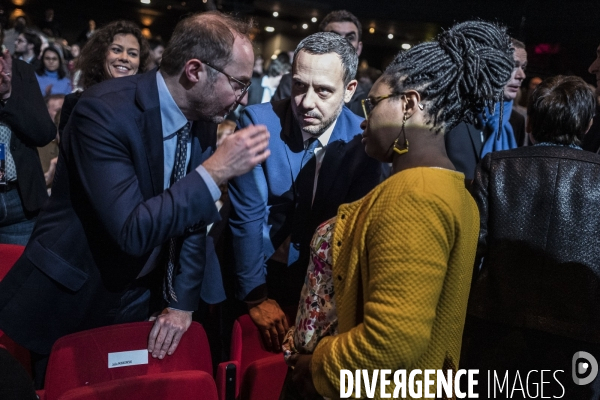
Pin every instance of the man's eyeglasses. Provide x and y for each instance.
(242, 86)
(369, 104)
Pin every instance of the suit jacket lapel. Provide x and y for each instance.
(150, 126)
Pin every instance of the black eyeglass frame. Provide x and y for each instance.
(369, 104)
(245, 85)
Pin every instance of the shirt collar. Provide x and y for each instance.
(171, 116)
(323, 138)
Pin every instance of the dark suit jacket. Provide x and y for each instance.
(541, 248)
(284, 91)
(108, 211)
(263, 200)
(463, 145)
(591, 140)
(26, 114)
(517, 121)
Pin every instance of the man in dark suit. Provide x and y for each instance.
(123, 207)
(24, 126)
(278, 205)
(345, 24)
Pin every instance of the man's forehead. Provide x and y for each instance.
(317, 67)
(341, 28)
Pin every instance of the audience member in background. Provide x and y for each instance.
(49, 153)
(51, 74)
(87, 33)
(116, 50)
(28, 46)
(24, 126)
(402, 256)
(345, 24)
(317, 163)
(466, 143)
(534, 302)
(157, 47)
(50, 26)
(19, 26)
(263, 88)
(509, 132)
(591, 142)
(258, 69)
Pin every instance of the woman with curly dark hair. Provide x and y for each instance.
(116, 50)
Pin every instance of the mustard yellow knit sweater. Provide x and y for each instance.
(411, 243)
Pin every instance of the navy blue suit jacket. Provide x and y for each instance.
(263, 200)
(108, 211)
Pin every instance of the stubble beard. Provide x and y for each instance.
(318, 130)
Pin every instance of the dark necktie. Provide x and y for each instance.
(183, 136)
(305, 183)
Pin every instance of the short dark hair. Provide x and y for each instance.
(207, 36)
(458, 74)
(41, 69)
(93, 55)
(517, 44)
(277, 67)
(154, 43)
(34, 39)
(341, 16)
(561, 109)
(329, 42)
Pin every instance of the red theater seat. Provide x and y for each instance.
(81, 359)
(261, 373)
(166, 386)
(9, 254)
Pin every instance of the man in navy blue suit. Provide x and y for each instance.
(135, 187)
(317, 162)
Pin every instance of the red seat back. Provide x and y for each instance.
(264, 379)
(81, 359)
(167, 386)
(9, 254)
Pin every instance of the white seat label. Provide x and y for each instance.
(127, 358)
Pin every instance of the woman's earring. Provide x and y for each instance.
(396, 147)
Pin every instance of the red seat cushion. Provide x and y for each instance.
(166, 386)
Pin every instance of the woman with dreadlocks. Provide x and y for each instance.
(402, 257)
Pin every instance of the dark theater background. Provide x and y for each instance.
(561, 36)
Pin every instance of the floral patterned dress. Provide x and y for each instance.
(316, 316)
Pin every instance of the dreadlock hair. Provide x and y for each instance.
(458, 74)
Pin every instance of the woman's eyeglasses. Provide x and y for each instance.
(369, 104)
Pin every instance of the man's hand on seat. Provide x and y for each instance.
(271, 322)
(166, 333)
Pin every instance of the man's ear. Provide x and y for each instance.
(350, 89)
(194, 71)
